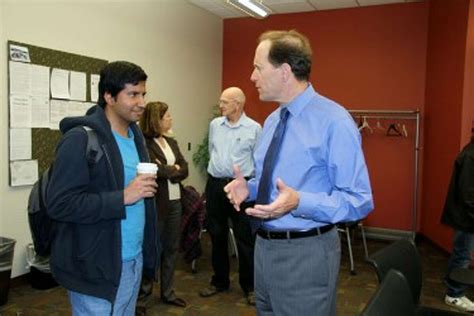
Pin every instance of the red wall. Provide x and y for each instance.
(468, 100)
(448, 99)
(364, 58)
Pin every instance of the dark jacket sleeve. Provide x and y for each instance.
(166, 171)
(183, 172)
(466, 183)
(69, 198)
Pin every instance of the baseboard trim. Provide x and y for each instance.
(387, 234)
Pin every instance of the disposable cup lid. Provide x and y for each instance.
(147, 167)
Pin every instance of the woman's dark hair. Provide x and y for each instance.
(290, 47)
(150, 120)
(115, 75)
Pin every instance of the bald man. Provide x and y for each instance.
(232, 139)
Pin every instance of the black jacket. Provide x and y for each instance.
(166, 172)
(88, 204)
(459, 206)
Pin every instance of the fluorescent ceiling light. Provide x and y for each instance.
(251, 7)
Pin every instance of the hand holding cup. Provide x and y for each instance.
(147, 168)
(144, 185)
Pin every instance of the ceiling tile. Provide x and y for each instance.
(272, 2)
(228, 12)
(333, 4)
(291, 7)
(224, 10)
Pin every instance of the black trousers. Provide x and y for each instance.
(219, 211)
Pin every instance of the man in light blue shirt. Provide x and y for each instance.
(232, 139)
(310, 175)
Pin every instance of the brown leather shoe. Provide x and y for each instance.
(210, 291)
(176, 302)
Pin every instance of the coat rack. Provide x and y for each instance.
(400, 115)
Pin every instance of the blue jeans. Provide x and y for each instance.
(125, 300)
(463, 245)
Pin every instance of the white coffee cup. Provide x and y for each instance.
(147, 168)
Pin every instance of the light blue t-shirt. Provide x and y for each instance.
(133, 225)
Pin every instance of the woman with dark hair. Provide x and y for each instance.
(156, 124)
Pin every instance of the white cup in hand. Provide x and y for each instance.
(147, 168)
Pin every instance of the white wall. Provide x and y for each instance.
(178, 45)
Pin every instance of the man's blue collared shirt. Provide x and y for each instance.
(232, 144)
(320, 157)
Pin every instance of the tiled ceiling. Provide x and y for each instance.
(224, 10)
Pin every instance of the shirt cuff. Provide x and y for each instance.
(306, 207)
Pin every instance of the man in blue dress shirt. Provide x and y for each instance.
(232, 139)
(317, 178)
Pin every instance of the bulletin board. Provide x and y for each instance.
(43, 139)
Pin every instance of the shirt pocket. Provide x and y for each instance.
(246, 141)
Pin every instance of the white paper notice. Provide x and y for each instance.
(87, 106)
(78, 86)
(39, 80)
(95, 88)
(58, 111)
(75, 108)
(20, 78)
(20, 111)
(60, 83)
(20, 143)
(19, 53)
(40, 111)
(23, 172)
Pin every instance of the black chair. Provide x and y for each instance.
(346, 229)
(392, 297)
(403, 256)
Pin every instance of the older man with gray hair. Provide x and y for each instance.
(232, 139)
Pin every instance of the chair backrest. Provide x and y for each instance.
(348, 224)
(403, 256)
(392, 297)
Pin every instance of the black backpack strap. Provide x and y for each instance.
(93, 150)
(42, 186)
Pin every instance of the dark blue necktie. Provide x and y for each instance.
(264, 187)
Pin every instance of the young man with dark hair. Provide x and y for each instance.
(105, 217)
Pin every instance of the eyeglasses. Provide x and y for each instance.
(225, 102)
